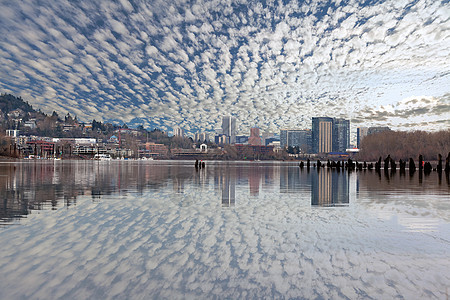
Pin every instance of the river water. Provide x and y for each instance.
(164, 230)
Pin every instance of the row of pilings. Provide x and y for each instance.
(388, 164)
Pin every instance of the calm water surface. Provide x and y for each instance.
(162, 230)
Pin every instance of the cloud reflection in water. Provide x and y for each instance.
(145, 243)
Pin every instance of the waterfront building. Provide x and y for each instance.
(229, 128)
(329, 134)
(296, 138)
(78, 141)
(341, 135)
(12, 133)
(156, 149)
(322, 134)
(42, 148)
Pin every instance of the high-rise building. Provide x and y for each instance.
(296, 138)
(322, 134)
(284, 138)
(201, 137)
(229, 128)
(341, 135)
(361, 132)
(330, 134)
(221, 139)
(178, 131)
(254, 138)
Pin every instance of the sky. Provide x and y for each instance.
(271, 64)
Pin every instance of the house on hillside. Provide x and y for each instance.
(30, 124)
(16, 114)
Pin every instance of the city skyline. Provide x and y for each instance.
(271, 65)
(338, 134)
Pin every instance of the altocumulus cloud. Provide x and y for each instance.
(272, 65)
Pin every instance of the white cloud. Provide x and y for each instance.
(118, 27)
(195, 247)
(268, 62)
(126, 5)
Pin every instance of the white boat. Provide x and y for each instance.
(31, 156)
(102, 157)
(147, 158)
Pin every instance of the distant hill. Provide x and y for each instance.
(9, 102)
(18, 114)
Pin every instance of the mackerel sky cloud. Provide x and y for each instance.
(271, 64)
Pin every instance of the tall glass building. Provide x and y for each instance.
(330, 134)
(229, 128)
(341, 135)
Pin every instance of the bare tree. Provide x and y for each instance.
(403, 145)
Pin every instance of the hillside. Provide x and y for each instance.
(18, 114)
(9, 103)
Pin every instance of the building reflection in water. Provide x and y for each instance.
(254, 180)
(294, 180)
(26, 186)
(329, 188)
(35, 185)
(289, 179)
(228, 185)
